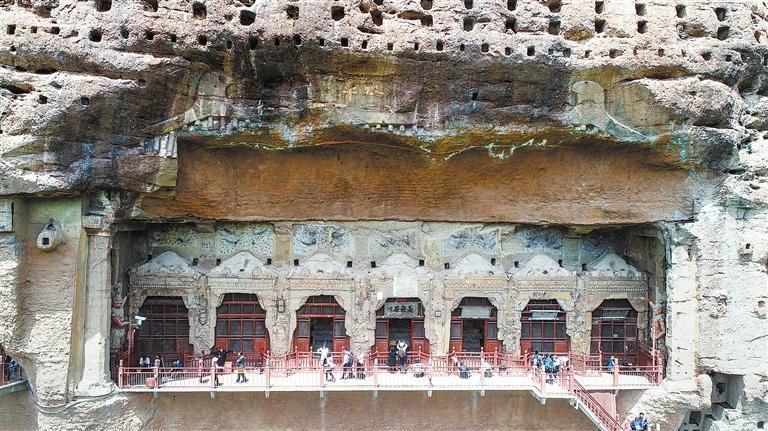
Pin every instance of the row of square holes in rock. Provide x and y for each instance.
(95, 35)
(439, 45)
(247, 17)
(422, 262)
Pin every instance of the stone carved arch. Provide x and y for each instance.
(197, 305)
(400, 276)
(244, 273)
(294, 303)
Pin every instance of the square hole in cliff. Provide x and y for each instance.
(426, 20)
(150, 5)
(103, 5)
(599, 6)
(555, 6)
(680, 11)
(469, 23)
(426, 4)
(337, 13)
(292, 12)
(721, 13)
(11, 29)
(247, 17)
(377, 17)
(640, 9)
(511, 24)
(599, 25)
(439, 45)
(198, 10)
(642, 26)
(511, 4)
(723, 32)
(554, 27)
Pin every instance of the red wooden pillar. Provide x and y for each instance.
(376, 373)
(267, 376)
(157, 377)
(119, 375)
(213, 376)
(616, 375)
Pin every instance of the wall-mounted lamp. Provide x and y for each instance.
(280, 305)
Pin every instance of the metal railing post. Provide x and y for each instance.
(213, 376)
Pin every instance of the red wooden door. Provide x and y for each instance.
(301, 336)
(491, 343)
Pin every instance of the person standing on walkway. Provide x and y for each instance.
(240, 365)
(201, 365)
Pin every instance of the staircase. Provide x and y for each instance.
(596, 411)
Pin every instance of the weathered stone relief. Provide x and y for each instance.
(311, 238)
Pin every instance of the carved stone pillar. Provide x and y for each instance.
(682, 331)
(362, 332)
(279, 323)
(98, 307)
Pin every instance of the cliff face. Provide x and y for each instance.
(97, 94)
(573, 112)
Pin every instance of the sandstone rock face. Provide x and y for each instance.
(582, 116)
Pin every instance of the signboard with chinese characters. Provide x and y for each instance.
(475, 312)
(401, 310)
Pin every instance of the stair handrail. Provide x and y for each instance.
(608, 421)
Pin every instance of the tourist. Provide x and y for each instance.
(346, 364)
(392, 359)
(464, 372)
(361, 365)
(11, 368)
(216, 367)
(555, 366)
(328, 369)
(323, 352)
(201, 365)
(145, 362)
(610, 364)
(640, 423)
(418, 368)
(222, 356)
(240, 365)
(177, 366)
(454, 363)
(536, 359)
(402, 354)
(487, 370)
(158, 361)
(548, 367)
